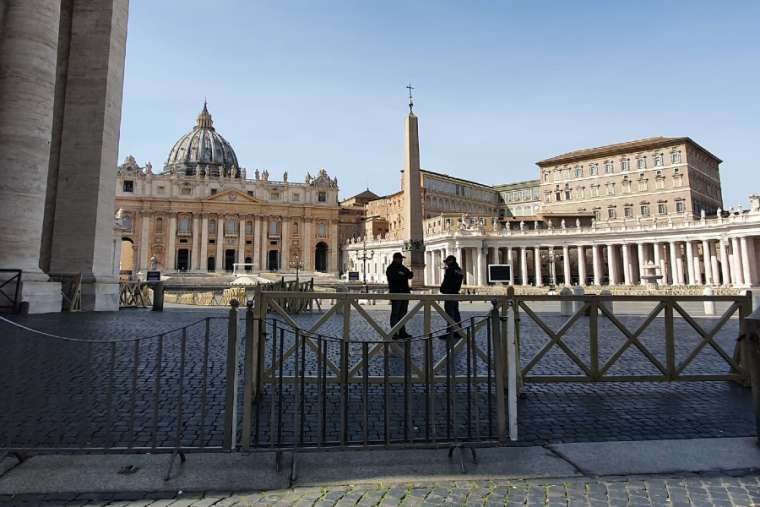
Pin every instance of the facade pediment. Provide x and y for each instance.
(232, 196)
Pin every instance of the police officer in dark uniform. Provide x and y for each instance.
(398, 283)
(452, 282)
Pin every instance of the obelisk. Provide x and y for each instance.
(414, 246)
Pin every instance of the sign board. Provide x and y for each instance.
(500, 273)
(153, 276)
(353, 276)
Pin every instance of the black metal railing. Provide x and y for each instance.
(10, 290)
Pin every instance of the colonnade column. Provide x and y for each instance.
(480, 266)
(203, 256)
(194, 253)
(707, 262)
(581, 265)
(171, 249)
(642, 260)
(675, 275)
(334, 246)
(746, 264)
(241, 239)
(612, 264)
(511, 264)
(690, 262)
(597, 266)
(714, 262)
(627, 268)
(537, 265)
(736, 266)
(219, 264)
(658, 259)
(566, 265)
(524, 265)
(724, 266)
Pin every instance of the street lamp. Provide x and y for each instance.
(366, 256)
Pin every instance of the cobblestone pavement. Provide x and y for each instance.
(719, 490)
(56, 392)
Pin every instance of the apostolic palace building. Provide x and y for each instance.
(593, 217)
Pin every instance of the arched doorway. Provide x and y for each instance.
(273, 258)
(211, 264)
(229, 260)
(127, 258)
(320, 257)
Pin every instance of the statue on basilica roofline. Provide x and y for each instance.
(148, 168)
(265, 175)
(256, 174)
(285, 176)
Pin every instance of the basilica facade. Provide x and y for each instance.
(204, 213)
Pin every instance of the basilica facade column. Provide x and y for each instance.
(203, 252)
(194, 253)
(171, 249)
(285, 244)
(219, 264)
(307, 255)
(258, 241)
(334, 246)
(144, 257)
(241, 238)
(581, 265)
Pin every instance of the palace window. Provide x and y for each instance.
(594, 169)
(322, 197)
(625, 164)
(578, 171)
(250, 193)
(611, 213)
(274, 227)
(627, 186)
(213, 191)
(608, 167)
(557, 194)
(567, 173)
(644, 210)
(594, 190)
(597, 214)
(643, 185)
(641, 162)
(658, 160)
(129, 186)
(680, 206)
(274, 196)
(546, 175)
(677, 180)
(628, 211)
(567, 192)
(675, 157)
(662, 208)
(212, 226)
(610, 189)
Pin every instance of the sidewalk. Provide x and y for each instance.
(575, 470)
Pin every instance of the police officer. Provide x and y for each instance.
(452, 282)
(398, 283)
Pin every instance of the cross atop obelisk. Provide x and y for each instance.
(411, 101)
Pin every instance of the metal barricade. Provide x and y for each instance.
(10, 290)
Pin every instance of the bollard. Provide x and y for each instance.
(158, 296)
(577, 304)
(607, 303)
(566, 305)
(709, 304)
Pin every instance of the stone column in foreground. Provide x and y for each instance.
(28, 56)
(87, 146)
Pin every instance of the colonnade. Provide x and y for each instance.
(727, 261)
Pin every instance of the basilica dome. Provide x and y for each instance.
(203, 151)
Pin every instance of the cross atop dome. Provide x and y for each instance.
(204, 119)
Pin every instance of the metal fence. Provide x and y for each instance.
(10, 289)
(120, 394)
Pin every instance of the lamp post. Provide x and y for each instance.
(366, 256)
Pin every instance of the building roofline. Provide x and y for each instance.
(625, 147)
(503, 186)
(434, 173)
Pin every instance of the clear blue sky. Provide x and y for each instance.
(499, 85)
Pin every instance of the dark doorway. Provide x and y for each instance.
(229, 260)
(183, 259)
(273, 259)
(320, 257)
(248, 260)
(211, 265)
